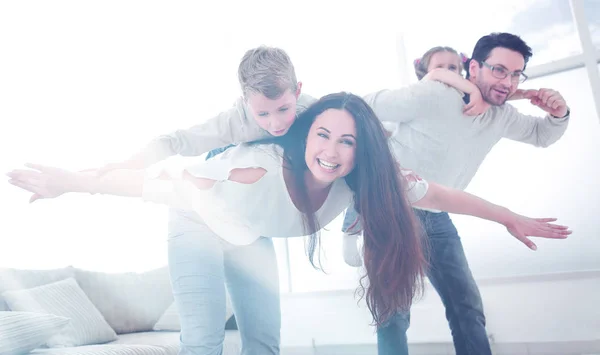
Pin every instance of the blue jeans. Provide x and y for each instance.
(452, 279)
(201, 265)
(218, 151)
(349, 218)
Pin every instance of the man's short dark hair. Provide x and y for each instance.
(486, 44)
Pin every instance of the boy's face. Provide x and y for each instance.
(274, 116)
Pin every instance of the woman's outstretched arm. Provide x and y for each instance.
(459, 202)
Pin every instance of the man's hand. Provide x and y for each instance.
(548, 100)
(521, 94)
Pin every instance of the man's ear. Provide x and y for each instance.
(473, 69)
(298, 89)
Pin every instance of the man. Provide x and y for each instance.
(442, 145)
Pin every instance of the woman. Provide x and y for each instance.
(335, 154)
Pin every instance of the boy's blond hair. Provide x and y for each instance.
(268, 71)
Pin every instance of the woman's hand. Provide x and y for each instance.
(522, 227)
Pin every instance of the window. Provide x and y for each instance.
(592, 12)
(548, 27)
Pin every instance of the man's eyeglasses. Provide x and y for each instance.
(500, 72)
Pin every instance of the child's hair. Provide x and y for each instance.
(268, 71)
(421, 64)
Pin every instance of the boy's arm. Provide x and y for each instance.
(233, 126)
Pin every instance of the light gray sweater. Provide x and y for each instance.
(441, 144)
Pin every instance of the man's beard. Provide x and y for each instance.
(489, 94)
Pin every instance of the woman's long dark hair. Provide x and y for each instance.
(393, 253)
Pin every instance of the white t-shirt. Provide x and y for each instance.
(241, 213)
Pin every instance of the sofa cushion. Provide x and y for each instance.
(146, 343)
(169, 341)
(15, 279)
(21, 332)
(130, 302)
(105, 349)
(66, 299)
(169, 320)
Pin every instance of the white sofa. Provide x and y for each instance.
(77, 312)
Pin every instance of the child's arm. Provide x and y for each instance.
(233, 126)
(476, 105)
(451, 78)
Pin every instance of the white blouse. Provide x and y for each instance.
(241, 213)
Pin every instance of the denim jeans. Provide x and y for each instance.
(201, 265)
(391, 338)
(349, 219)
(451, 277)
(218, 151)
